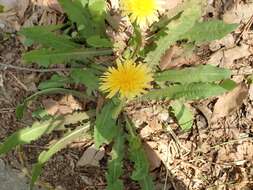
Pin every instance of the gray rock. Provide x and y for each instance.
(11, 179)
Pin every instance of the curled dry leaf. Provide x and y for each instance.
(229, 102)
(91, 157)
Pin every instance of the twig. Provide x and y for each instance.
(33, 70)
(7, 110)
(19, 82)
(232, 141)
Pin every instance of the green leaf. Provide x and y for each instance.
(1, 8)
(98, 42)
(202, 73)
(29, 134)
(147, 183)
(47, 57)
(85, 77)
(97, 9)
(115, 165)
(44, 36)
(138, 156)
(77, 117)
(192, 91)
(141, 165)
(183, 114)
(228, 84)
(56, 147)
(20, 109)
(209, 31)
(105, 128)
(176, 29)
(80, 15)
(56, 81)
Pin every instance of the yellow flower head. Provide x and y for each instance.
(144, 12)
(128, 79)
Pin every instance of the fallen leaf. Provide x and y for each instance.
(226, 58)
(51, 106)
(166, 59)
(240, 13)
(229, 102)
(178, 56)
(251, 92)
(152, 155)
(54, 5)
(146, 131)
(171, 4)
(91, 157)
(68, 104)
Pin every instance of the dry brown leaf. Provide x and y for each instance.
(177, 57)
(226, 58)
(91, 157)
(251, 92)
(229, 102)
(166, 59)
(68, 104)
(22, 6)
(240, 13)
(152, 155)
(171, 4)
(54, 5)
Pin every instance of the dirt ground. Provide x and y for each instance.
(216, 154)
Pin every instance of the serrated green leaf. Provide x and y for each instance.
(99, 42)
(80, 15)
(228, 84)
(97, 9)
(105, 127)
(47, 57)
(29, 134)
(56, 147)
(183, 114)
(176, 29)
(44, 35)
(202, 73)
(138, 157)
(77, 117)
(141, 165)
(56, 81)
(85, 77)
(192, 91)
(209, 31)
(115, 165)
